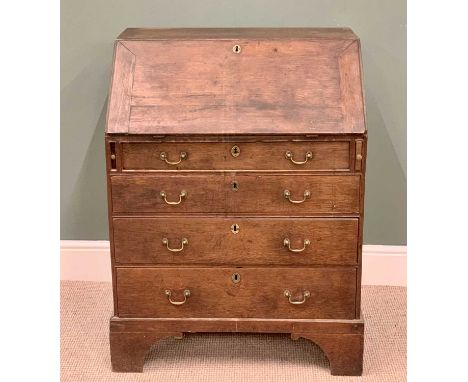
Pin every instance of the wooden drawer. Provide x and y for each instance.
(251, 193)
(235, 241)
(317, 156)
(259, 292)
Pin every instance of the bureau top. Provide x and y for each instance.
(230, 33)
(236, 81)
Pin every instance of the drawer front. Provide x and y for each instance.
(134, 194)
(290, 156)
(246, 193)
(257, 292)
(235, 241)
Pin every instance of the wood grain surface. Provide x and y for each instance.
(259, 241)
(260, 292)
(344, 352)
(326, 156)
(342, 341)
(230, 33)
(237, 325)
(271, 86)
(256, 194)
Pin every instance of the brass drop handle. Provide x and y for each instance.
(182, 156)
(287, 195)
(168, 293)
(165, 242)
(305, 296)
(183, 195)
(289, 156)
(287, 243)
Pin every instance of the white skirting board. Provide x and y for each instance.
(90, 261)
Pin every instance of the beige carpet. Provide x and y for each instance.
(86, 308)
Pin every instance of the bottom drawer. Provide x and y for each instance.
(236, 292)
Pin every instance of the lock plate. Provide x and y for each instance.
(234, 185)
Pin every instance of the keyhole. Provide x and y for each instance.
(235, 151)
(236, 49)
(234, 185)
(235, 278)
(235, 229)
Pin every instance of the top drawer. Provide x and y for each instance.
(286, 156)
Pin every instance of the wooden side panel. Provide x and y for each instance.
(358, 155)
(361, 224)
(118, 114)
(329, 156)
(351, 89)
(258, 241)
(260, 292)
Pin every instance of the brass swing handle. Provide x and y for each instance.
(287, 243)
(183, 195)
(287, 195)
(182, 156)
(168, 293)
(305, 296)
(165, 242)
(289, 156)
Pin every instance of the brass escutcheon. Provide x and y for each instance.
(236, 278)
(236, 48)
(234, 185)
(235, 151)
(235, 228)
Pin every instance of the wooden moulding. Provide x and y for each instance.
(342, 341)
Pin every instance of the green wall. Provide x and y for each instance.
(88, 28)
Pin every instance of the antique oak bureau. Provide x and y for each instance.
(235, 170)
